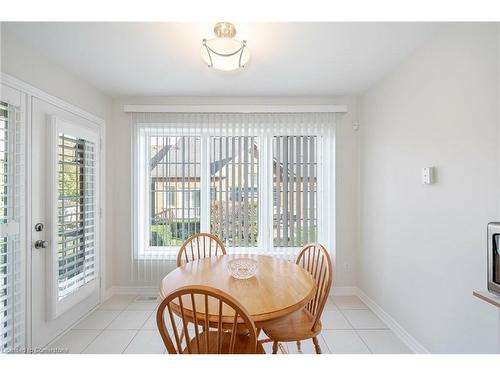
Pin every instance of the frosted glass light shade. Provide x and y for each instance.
(224, 52)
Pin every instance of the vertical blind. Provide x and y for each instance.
(295, 190)
(234, 186)
(263, 183)
(12, 259)
(175, 201)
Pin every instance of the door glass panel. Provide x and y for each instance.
(76, 235)
(12, 292)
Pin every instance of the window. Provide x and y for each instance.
(76, 242)
(295, 190)
(234, 186)
(257, 186)
(170, 198)
(192, 199)
(174, 177)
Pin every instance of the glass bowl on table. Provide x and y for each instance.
(242, 268)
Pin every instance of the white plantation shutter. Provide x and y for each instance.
(12, 237)
(76, 211)
(261, 182)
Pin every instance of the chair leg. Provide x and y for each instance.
(316, 345)
(298, 346)
(275, 347)
(282, 348)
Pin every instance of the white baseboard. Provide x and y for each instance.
(398, 330)
(121, 290)
(344, 291)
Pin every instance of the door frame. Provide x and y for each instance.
(31, 92)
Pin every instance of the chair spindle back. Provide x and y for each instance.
(196, 307)
(316, 260)
(198, 246)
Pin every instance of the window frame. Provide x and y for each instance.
(325, 189)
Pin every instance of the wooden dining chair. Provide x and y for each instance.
(199, 246)
(196, 305)
(305, 323)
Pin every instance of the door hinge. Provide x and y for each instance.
(100, 213)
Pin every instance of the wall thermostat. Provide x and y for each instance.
(428, 175)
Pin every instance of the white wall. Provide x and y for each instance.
(119, 167)
(423, 248)
(41, 72)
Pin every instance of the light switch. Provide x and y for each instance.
(428, 175)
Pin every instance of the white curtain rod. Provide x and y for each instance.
(235, 108)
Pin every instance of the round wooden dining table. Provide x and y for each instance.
(278, 288)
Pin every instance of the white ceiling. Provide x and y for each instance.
(287, 59)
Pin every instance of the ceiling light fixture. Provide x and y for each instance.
(224, 52)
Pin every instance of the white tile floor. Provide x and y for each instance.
(127, 324)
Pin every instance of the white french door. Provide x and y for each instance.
(65, 220)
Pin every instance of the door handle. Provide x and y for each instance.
(40, 244)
